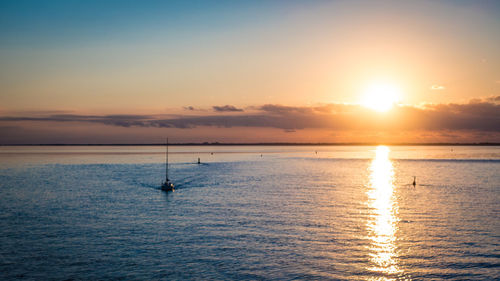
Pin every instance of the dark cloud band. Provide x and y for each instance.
(476, 115)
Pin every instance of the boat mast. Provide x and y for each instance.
(166, 166)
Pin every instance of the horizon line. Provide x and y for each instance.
(263, 144)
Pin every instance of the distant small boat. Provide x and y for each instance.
(167, 185)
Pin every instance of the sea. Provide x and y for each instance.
(250, 213)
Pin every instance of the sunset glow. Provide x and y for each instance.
(382, 226)
(381, 97)
(249, 71)
(305, 140)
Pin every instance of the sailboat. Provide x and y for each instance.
(167, 185)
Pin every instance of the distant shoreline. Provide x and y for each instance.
(263, 144)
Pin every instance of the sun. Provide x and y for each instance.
(380, 96)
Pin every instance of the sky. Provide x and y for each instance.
(249, 71)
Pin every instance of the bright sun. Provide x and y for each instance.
(380, 97)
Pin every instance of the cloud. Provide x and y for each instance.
(226, 108)
(282, 109)
(479, 115)
(437, 87)
(194, 109)
(116, 120)
(494, 99)
(41, 112)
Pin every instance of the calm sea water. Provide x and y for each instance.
(251, 213)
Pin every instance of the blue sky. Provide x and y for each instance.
(57, 22)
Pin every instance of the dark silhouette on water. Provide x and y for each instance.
(167, 185)
(199, 160)
(414, 181)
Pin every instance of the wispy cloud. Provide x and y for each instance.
(437, 87)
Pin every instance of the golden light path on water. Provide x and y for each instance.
(382, 222)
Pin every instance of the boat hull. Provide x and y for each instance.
(167, 187)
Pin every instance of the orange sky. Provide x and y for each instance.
(288, 71)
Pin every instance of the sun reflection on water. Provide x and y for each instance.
(382, 223)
